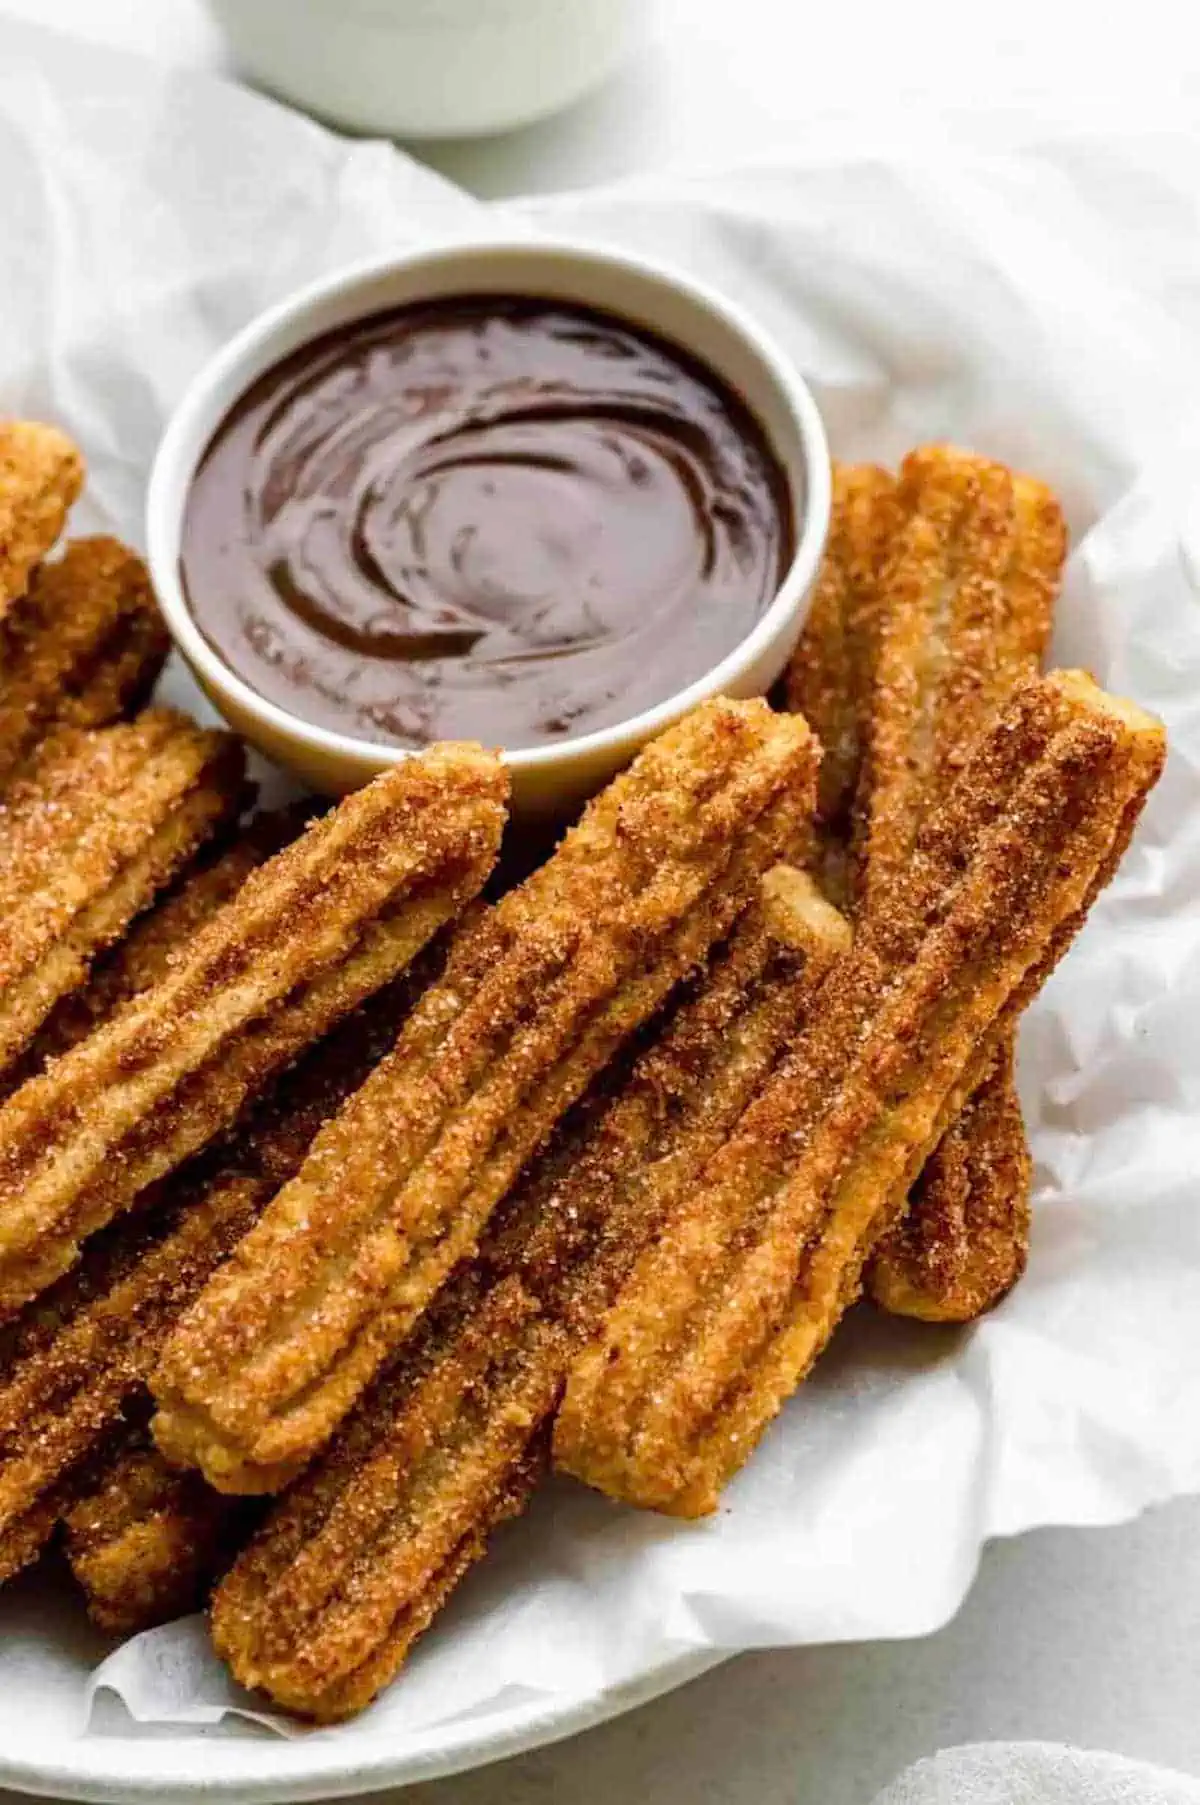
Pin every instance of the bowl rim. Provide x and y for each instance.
(195, 419)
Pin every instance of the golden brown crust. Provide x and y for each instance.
(536, 998)
(831, 666)
(963, 1242)
(101, 823)
(41, 474)
(571, 1229)
(965, 605)
(23, 1539)
(157, 938)
(361, 1553)
(963, 612)
(83, 647)
(948, 616)
(724, 1316)
(146, 1543)
(75, 1360)
(321, 1608)
(324, 924)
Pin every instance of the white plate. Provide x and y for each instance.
(254, 1768)
(262, 1769)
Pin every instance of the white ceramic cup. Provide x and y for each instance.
(429, 68)
(547, 780)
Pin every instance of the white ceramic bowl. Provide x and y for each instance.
(429, 68)
(547, 780)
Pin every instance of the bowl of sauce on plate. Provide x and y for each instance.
(537, 496)
(493, 517)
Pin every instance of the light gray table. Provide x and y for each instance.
(1081, 1637)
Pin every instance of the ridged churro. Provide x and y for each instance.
(964, 608)
(357, 1559)
(935, 600)
(963, 1241)
(41, 474)
(324, 924)
(962, 614)
(81, 648)
(725, 1314)
(100, 824)
(321, 1608)
(23, 1539)
(146, 1543)
(536, 998)
(75, 1361)
(158, 937)
(829, 677)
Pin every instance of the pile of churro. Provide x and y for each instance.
(346, 1188)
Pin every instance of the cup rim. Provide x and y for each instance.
(195, 419)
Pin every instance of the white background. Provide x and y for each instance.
(1083, 1637)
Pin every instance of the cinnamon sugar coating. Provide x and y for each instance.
(936, 600)
(41, 474)
(101, 822)
(146, 1543)
(75, 1362)
(320, 927)
(358, 1557)
(83, 647)
(537, 997)
(725, 1314)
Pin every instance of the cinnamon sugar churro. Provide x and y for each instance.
(24, 1538)
(81, 648)
(321, 926)
(41, 474)
(357, 1559)
(964, 612)
(76, 1360)
(158, 938)
(100, 824)
(725, 1314)
(830, 674)
(146, 1543)
(535, 1000)
(963, 1241)
(935, 600)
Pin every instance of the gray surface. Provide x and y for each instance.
(1084, 1637)
(1081, 1637)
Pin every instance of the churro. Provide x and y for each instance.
(157, 938)
(537, 997)
(725, 1314)
(75, 1361)
(100, 824)
(323, 1607)
(41, 474)
(828, 679)
(23, 1539)
(146, 1543)
(324, 924)
(963, 1241)
(935, 599)
(962, 614)
(81, 648)
(964, 607)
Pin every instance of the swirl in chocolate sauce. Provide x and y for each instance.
(490, 518)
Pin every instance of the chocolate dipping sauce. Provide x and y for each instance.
(491, 518)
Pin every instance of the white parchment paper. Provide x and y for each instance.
(1043, 305)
